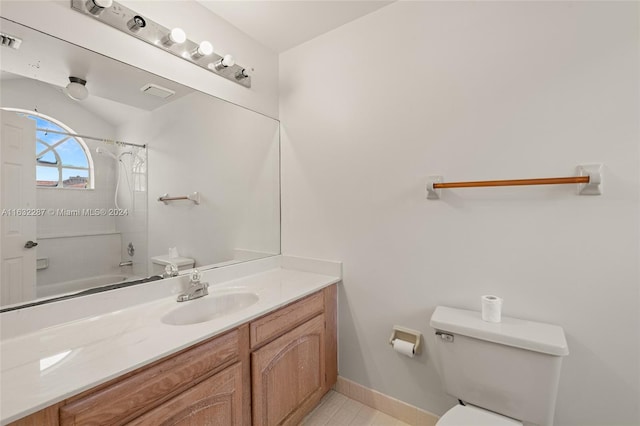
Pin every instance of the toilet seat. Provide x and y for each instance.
(468, 415)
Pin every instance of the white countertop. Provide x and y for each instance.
(93, 350)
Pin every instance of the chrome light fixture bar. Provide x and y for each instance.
(10, 41)
(173, 41)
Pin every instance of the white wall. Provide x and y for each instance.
(230, 156)
(56, 17)
(472, 91)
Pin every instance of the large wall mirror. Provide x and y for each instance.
(82, 179)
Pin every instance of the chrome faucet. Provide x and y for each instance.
(196, 288)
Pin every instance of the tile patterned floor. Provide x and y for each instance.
(335, 409)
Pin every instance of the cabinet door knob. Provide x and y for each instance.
(30, 244)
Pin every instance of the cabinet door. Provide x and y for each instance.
(215, 401)
(288, 375)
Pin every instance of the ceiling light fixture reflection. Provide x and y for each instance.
(175, 36)
(95, 7)
(76, 89)
(204, 49)
(223, 63)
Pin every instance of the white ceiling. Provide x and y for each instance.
(281, 25)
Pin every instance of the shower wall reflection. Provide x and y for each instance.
(93, 193)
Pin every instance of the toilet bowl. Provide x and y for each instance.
(468, 415)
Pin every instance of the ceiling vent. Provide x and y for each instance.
(10, 41)
(158, 91)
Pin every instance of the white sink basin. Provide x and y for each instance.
(209, 307)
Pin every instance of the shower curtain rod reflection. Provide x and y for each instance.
(107, 141)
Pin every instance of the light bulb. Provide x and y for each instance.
(175, 36)
(95, 7)
(228, 61)
(204, 49)
(223, 63)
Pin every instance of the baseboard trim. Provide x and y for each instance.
(394, 407)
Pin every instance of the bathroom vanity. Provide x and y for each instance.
(272, 368)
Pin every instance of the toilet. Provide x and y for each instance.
(503, 374)
(159, 263)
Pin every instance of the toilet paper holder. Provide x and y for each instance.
(408, 335)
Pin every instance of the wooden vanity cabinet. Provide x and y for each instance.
(293, 363)
(168, 382)
(45, 417)
(214, 401)
(273, 370)
(288, 372)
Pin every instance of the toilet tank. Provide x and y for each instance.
(511, 367)
(159, 263)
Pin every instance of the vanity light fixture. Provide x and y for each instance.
(173, 41)
(204, 49)
(76, 89)
(222, 63)
(242, 74)
(7, 40)
(95, 7)
(175, 36)
(136, 23)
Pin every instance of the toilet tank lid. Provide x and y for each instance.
(530, 335)
(168, 260)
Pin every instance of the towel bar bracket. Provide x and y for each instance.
(433, 193)
(594, 186)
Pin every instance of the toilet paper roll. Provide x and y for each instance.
(403, 347)
(491, 308)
